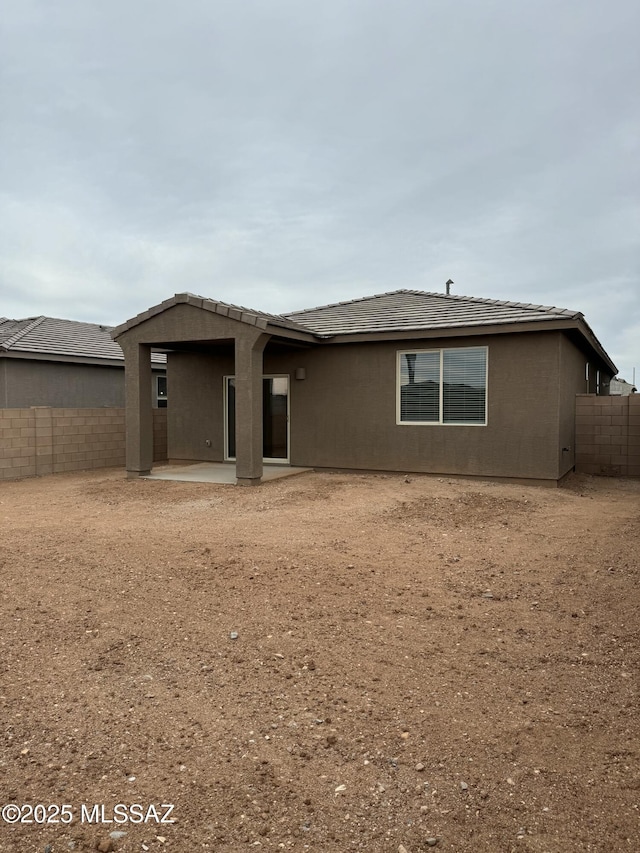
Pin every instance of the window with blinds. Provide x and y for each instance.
(446, 386)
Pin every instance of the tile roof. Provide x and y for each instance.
(48, 336)
(283, 320)
(396, 311)
(226, 309)
(11, 328)
(406, 310)
(388, 313)
(399, 310)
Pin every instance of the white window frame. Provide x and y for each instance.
(440, 422)
(158, 396)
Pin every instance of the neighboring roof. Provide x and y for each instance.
(48, 336)
(10, 328)
(620, 387)
(408, 310)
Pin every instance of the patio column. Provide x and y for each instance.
(249, 349)
(139, 413)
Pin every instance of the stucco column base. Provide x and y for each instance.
(248, 481)
(131, 475)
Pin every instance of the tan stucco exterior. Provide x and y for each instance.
(28, 382)
(343, 413)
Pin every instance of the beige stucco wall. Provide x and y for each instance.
(343, 414)
(32, 382)
(35, 382)
(572, 381)
(195, 413)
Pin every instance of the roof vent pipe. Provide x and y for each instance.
(448, 286)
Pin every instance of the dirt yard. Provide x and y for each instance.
(329, 662)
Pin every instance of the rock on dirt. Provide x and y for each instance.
(120, 684)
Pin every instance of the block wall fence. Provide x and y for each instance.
(608, 435)
(44, 440)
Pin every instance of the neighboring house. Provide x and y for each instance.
(62, 363)
(402, 381)
(621, 388)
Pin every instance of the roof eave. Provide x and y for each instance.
(587, 333)
(575, 321)
(94, 361)
(444, 331)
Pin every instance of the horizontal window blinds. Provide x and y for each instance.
(444, 386)
(420, 381)
(464, 385)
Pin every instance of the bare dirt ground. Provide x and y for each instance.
(424, 664)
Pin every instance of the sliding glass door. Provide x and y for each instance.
(275, 418)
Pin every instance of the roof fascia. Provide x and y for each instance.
(72, 359)
(282, 333)
(446, 332)
(594, 344)
(551, 324)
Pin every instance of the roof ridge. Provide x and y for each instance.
(353, 301)
(567, 312)
(256, 312)
(81, 322)
(506, 302)
(35, 321)
(249, 315)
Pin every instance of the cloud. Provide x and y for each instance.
(284, 154)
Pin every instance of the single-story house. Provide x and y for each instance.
(402, 381)
(65, 364)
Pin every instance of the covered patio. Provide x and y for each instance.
(222, 408)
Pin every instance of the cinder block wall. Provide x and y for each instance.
(44, 440)
(608, 435)
(160, 435)
(17, 443)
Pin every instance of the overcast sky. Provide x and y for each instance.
(282, 154)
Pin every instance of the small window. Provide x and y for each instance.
(446, 386)
(161, 392)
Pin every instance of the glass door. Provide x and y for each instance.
(275, 418)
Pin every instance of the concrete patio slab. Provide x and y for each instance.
(217, 472)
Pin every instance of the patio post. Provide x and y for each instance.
(249, 349)
(138, 413)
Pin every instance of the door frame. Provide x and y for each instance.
(267, 460)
